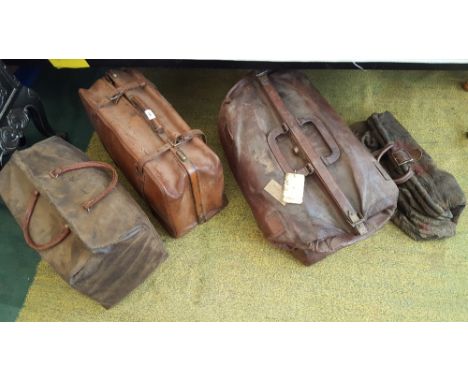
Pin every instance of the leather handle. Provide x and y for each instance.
(322, 130)
(327, 137)
(277, 153)
(188, 136)
(27, 220)
(55, 173)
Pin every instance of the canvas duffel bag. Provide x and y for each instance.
(273, 124)
(80, 220)
(430, 199)
(167, 162)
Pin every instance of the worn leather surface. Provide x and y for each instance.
(430, 200)
(182, 192)
(316, 228)
(111, 249)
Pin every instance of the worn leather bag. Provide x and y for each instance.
(80, 220)
(430, 201)
(167, 162)
(276, 123)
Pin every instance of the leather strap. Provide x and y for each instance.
(173, 146)
(188, 136)
(316, 164)
(150, 157)
(181, 139)
(121, 91)
(192, 172)
(399, 157)
(55, 173)
(27, 220)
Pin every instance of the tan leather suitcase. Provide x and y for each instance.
(276, 126)
(80, 220)
(167, 162)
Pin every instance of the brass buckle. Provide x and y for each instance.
(181, 155)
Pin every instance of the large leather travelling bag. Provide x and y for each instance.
(167, 162)
(276, 123)
(80, 220)
(430, 201)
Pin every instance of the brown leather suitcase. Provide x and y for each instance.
(167, 162)
(80, 220)
(273, 124)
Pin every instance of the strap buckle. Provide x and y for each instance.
(402, 157)
(261, 73)
(116, 97)
(357, 222)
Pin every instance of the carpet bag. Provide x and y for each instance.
(276, 126)
(80, 220)
(430, 201)
(167, 162)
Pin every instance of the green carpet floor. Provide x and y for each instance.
(224, 270)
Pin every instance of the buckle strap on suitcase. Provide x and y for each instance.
(316, 164)
(188, 165)
(180, 139)
(121, 91)
(173, 146)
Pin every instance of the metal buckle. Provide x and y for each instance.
(116, 97)
(357, 222)
(178, 141)
(402, 157)
(262, 73)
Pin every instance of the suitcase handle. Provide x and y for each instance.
(27, 220)
(279, 156)
(327, 137)
(322, 130)
(55, 173)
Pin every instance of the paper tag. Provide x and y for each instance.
(275, 190)
(149, 114)
(293, 188)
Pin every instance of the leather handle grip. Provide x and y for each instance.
(327, 137)
(27, 220)
(55, 173)
(279, 156)
(188, 136)
(322, 130)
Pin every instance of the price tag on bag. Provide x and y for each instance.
(293, 188)
(150, 114)
(275, 190)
